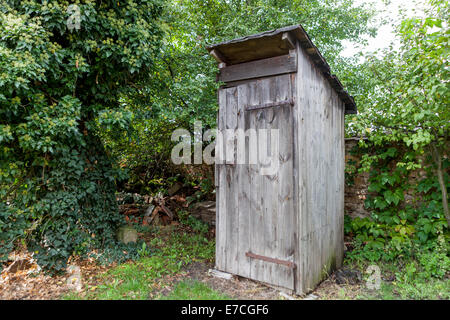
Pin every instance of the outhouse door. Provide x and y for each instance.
(256, 214)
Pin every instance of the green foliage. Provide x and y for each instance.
(350, 172)
(405, 103)
(58, 90)
(397, 220)
(185, 247)
(196, 225)
(407, 95)
(415, 271)
(414, 280)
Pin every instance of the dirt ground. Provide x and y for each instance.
(240, 288)
(237, 288)
(32, 284)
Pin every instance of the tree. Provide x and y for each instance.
(63, 69)
(186, 73)
(189, 71)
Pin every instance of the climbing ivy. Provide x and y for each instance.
(63, 70)
(405, 210)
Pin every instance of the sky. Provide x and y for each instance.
(386, 32)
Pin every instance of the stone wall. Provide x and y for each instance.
(355, 194)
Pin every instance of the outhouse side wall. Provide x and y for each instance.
(321, 164)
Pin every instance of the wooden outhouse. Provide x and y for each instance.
(284, 228)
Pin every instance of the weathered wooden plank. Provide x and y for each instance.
(341, 182)
(232, 182)
(315, 145)
(272, 181)
(218, 56)
(268, 272)
(244, 188)
(255, 205)
(289, 40)
(258, 234)
(285, 185)
(259, 68)
(295, 171)
(221, 191)
(329, 176)
(301, 171)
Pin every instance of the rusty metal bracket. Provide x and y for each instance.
(288, 264)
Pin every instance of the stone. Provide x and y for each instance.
(348, 276)
(127, 234)
(286, 296)
(174, 189)
(220, 274)
(74, 281)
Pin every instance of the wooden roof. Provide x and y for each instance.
(273, 43)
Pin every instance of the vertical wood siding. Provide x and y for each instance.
(256, 212)
(297, 213)
(321, 175)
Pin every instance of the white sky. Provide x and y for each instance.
(385, 35)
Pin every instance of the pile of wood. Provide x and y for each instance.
(161, 210)
(205, 211)
(148, 210)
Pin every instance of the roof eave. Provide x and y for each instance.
(312, 51)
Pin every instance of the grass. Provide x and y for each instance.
(417, 290)
(163, 258)
(169, 249)
(411, 279)
(193, 290)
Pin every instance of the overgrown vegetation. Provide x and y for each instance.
(406, 100)
(161, 260)
(61, 87)
(405, 119)
(85, 111)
